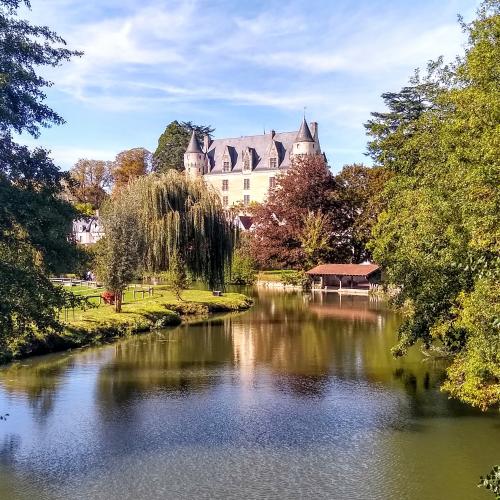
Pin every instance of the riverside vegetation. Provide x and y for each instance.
(99, 325)
(160, 225)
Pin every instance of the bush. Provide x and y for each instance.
(296, 278)
(242, 268)
(492, 481)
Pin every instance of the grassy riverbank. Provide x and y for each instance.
(102, 324)
(274, 275)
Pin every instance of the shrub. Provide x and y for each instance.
(242, 268)
(492, 481)
(296, 278)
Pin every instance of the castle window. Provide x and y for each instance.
(225, 185)
(273, 162)
(246, 183)
(225, 201)
(272, 182)
(226, 166)
(246, 164)
(246, 199)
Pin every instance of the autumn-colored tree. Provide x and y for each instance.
(129, 165)
(279, 222)
(89, 180)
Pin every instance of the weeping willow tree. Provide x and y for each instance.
(172, 217)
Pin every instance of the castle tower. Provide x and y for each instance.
(195, 161)
(304, 142)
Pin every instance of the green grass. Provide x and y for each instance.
(273, 275)
(99, 325)
(163, 303)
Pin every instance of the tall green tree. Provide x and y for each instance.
(173, 142)
(360, 199)
(170, 221)
(439, 238)
(34, 220)
(119, 252)
(315, 238)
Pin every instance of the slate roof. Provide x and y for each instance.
(304, 134)
(194, 145)
(345, 269)
(246, 221)
(261, 146)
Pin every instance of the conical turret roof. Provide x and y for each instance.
(194, 145)
(304, 134)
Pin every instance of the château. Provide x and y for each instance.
(243, 169)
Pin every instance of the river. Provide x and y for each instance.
(297, 398)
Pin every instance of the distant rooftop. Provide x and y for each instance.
(345, 269)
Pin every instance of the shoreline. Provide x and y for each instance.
(99, 326)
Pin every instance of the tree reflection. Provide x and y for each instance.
(173, 361)
(38, 380)
(302, 343)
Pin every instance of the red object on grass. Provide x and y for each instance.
(108, 297)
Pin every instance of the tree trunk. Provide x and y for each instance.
(118, 301)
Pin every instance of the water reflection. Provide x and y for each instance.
(38, 380)
(304, 341)
(295, 394)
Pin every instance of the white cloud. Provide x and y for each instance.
(146, 55)
(185, 51)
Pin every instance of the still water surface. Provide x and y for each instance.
(297, 398)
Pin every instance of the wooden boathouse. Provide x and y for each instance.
(356, 278)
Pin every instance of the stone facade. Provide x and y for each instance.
(243, 169)
(87, 232)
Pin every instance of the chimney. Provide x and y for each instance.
(314, 130)
(206, 143)
(273, 133)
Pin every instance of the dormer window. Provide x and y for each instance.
(247, 160)
(227, 159)
(273, 162)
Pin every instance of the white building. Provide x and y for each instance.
(243, 169)
(87, 232)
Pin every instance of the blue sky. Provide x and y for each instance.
(241, 67)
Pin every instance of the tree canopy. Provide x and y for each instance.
(173, 142)
(277, 238)
(439, 237)
(313, 216)
(34, 220)
(129, 165)
(171, 220)
(90, 181)
(359, 197)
